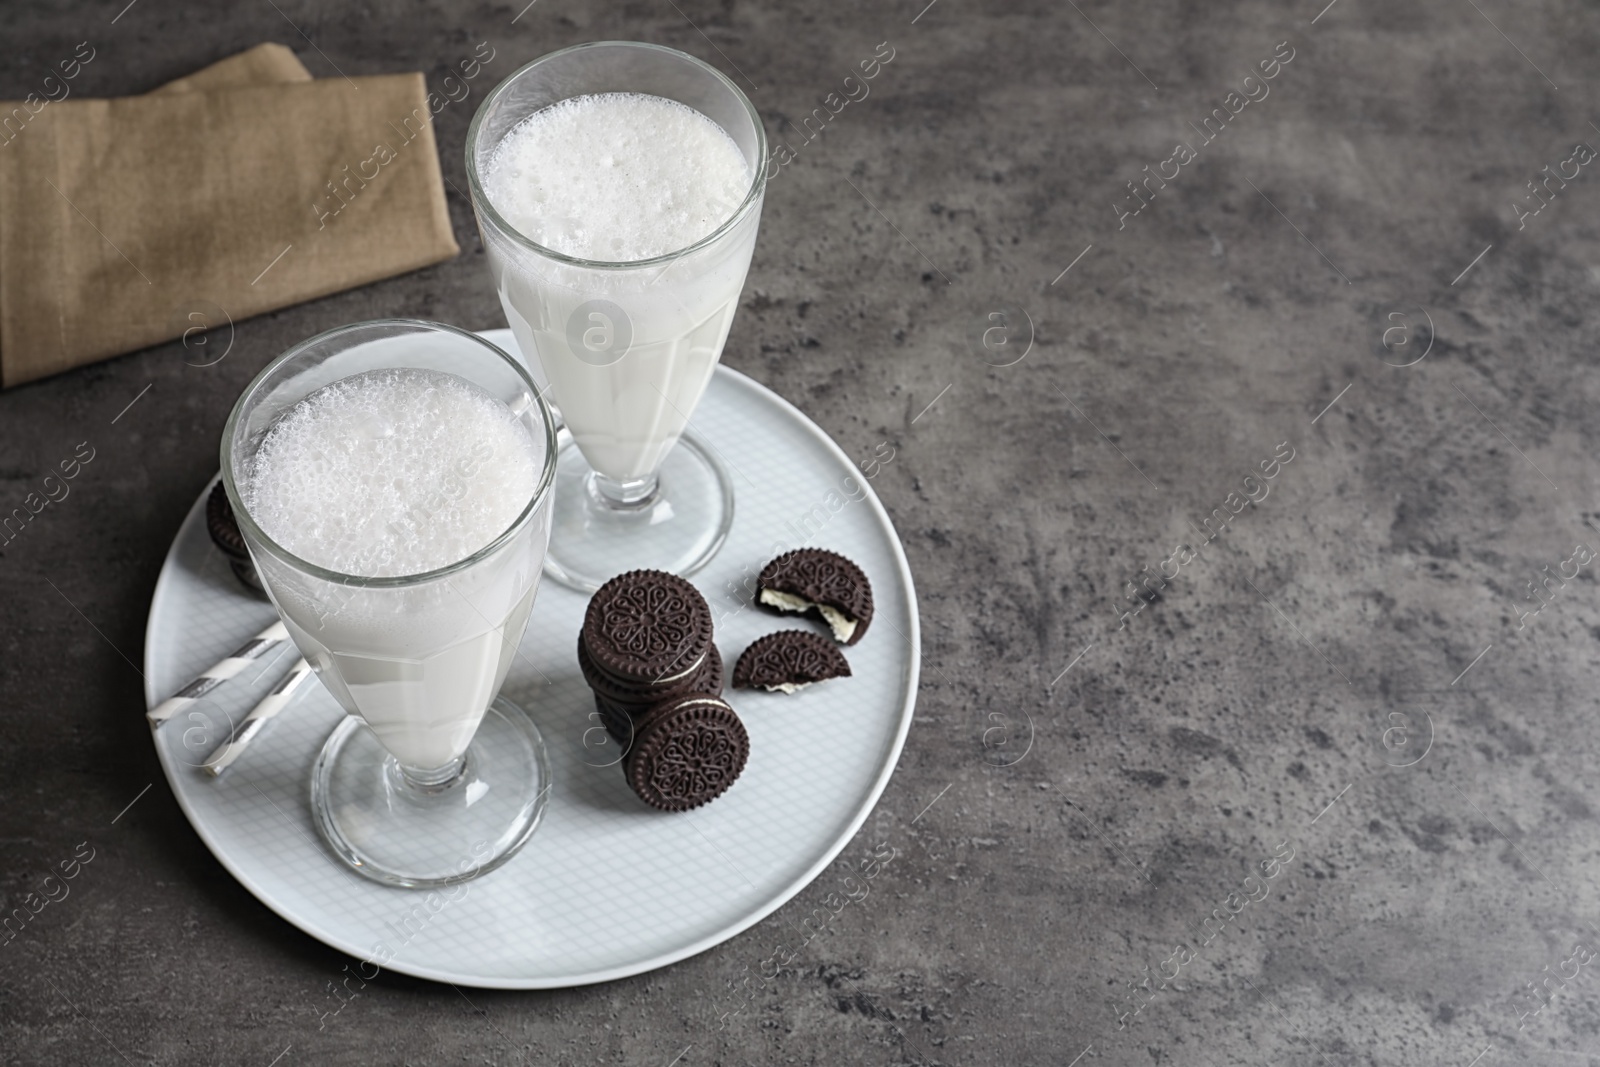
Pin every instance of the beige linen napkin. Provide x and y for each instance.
(117, 216)
(265, 64)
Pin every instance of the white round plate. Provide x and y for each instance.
(607, 887)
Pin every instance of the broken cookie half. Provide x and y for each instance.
(814, 580)
(788, 661)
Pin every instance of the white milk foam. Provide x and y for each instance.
(392, 472)
(617, 177)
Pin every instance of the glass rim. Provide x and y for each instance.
(483, 204)
(247, 522)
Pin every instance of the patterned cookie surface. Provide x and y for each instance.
(686, 753)
(788, 660)
(647, 627)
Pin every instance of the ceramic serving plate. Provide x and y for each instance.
(607, 887)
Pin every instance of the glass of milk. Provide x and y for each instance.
(618, 189)
(393, 482)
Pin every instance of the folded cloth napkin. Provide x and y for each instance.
(243, 188)
(265, 64)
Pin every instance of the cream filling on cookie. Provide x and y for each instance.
(842, 625)
(669, 679)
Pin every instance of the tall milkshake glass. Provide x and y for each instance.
(627, 348)
(432, 778)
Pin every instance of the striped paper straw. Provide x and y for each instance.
(245, 654)
(270, 705)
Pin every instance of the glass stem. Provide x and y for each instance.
(624, 495)
(435, 779)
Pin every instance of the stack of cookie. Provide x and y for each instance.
(224, 531)
(646, 651)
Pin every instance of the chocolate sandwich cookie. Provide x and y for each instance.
(618, 716)
(617, 721)
(711, 674)
(789, 660)
(815, 580)
(706, 678)
(686, 752)
(647, 627)
(224, 531)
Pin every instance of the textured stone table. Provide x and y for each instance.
(1327, 786)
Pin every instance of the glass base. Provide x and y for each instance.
(411, 831)
(676, 529)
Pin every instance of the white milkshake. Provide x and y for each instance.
(391, 473)
(614, 179)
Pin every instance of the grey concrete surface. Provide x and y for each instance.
(1345, 689)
